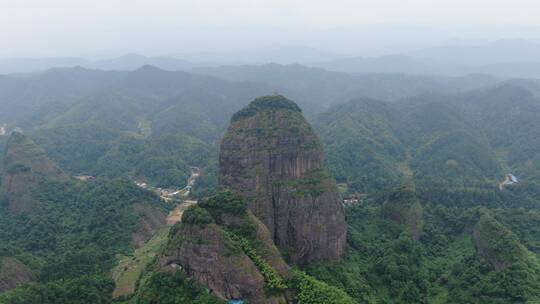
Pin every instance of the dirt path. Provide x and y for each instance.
(176, 215)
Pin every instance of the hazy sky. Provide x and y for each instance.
(112, 27)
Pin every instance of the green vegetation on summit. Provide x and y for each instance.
(274, 102)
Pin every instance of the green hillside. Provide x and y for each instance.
(454, 148)
(61, 247)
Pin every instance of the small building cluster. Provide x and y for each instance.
(167, 194)
(171, 194)
(353, 199)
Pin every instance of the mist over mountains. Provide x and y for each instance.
(502, 58)
(507, 58)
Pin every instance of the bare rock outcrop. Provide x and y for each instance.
(497, 244)
(13, 273)
(271, 156)
(151, 220)
(207, 255)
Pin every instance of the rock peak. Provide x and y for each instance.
(271, 156)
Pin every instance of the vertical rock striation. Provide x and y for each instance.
(220, 244)
(271, 156)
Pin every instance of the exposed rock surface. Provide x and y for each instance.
(25, 165)
(271, 156)
(13, 273)
(206, 254)
(268, 249)
(497, 244)
(150, 221)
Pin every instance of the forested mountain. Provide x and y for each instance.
(462, 145)
(319, 87)
(421, 162)
(59, 237)
(68, 93)
(126, 123)
(29, 100)
(460, 236)
(88, 119)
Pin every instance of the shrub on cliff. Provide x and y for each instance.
(196, 215)
(272, 279)
(225, 203)
(312, 291)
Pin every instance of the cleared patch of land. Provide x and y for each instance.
(176, 215)
(130, 268)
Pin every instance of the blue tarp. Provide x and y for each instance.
(236, 301)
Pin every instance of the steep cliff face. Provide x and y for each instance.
(13, 273)
(222, 245)
(206, 255)
(151, 220)
(25, 165)
(271, 156)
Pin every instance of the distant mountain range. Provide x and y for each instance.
(507, 58)
(130, 62)
(323, 88)
(126, 62)
(503, 58)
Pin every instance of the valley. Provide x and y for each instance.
(129, 268)
(172, 194)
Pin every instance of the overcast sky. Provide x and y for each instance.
(112, 27)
